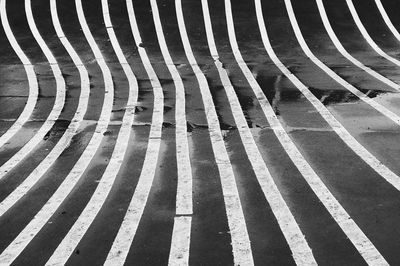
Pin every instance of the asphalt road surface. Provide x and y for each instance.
(195, 132)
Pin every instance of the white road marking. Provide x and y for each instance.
(380, 108)
(242, 253)
(40, 219)
(180, 243)
(92, 208)
(367, 37)
(122, 242)
(346, 54)
(302, 253)
(364, 154)
(387, 20)
(30, 73)
(58, 104)
(182, 227)
(370, 254)
(184, 186)
(65, 140)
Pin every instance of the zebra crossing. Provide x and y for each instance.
(199, 132)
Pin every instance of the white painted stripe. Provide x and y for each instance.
(184, 191)
(380, 108)
(40, 219)
(180, 243)
(366, 35)
(64, 141)
(10, 36)
(387, 20)
(58, 104)
(346, 54)
(242, 253)
(302, 253)
(122, 242)
(364, 154)
(30, 73)
(184, 199)
(127, 231)
(80, 227)
(67, 45)
(184, 204)
(349, 227)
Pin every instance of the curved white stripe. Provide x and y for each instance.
(122, 242)
(367, 37)
(302, 253)
(179, 253)
(242, 253)
(380, 108)
(182, 225)
(370, 159)
(184, 203)
(127, 231)
(346, 54)
(78, 230)
(349, 227)
(40, 219)
(387, 20)
(58, 104)
(180, 243)
(65, 140)
(30, 73)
